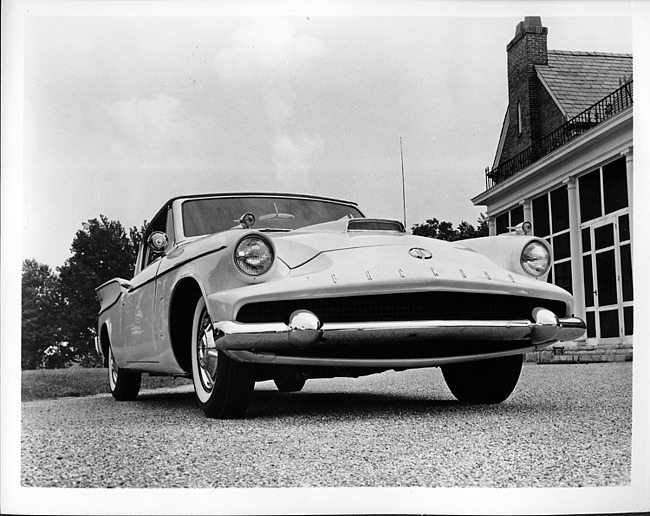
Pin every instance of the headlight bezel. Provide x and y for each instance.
(245, 256)
(544, 260)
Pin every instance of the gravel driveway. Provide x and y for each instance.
(565, 425)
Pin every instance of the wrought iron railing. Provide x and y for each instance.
(618, 101)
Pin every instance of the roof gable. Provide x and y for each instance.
(577, 80)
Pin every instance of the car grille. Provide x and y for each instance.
(419, 306)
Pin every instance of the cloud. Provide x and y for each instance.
(294, 156)
(157, 118)
(266, 45)
(151, 126)
(270, 50)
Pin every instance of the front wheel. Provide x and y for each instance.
(289, 381)
(124, 384)
(223, 387)
(483, 381)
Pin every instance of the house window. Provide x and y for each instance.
(615, 186)
(509, 219)
(560, 209)
(540, 216)
(503, 221)
(551, 222)
(590, 196)
(519, 117)
(603, 190)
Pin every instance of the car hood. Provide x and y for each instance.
(299, 247)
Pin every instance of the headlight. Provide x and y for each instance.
(535, 259)
(253, 256)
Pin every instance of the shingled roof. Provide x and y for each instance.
(577, 80)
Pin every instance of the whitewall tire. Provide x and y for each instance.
(223, 387)
(124, 384)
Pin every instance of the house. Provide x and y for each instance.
(565, 163)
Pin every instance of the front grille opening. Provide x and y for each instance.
(417, 306)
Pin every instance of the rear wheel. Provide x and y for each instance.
(223, 387)
(483, 381)
(124, 384)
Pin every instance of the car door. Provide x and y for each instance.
(137, 316)
(138, 305)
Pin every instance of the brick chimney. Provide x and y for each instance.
(527, 49)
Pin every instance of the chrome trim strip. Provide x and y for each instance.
(382, 363)
(176, 266)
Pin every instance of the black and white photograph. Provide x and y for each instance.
(299, 257)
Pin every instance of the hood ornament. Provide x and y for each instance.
(418, 252)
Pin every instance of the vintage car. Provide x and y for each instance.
(230, 289)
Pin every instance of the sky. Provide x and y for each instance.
(125, 109)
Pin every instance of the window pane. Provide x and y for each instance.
(609, 324)
(615, 185)
(517, 216)
(628, 319)
(624, 228)
(561, 246)
(606, 278)
(589, 280)
(502, 223)
(560, 209)
(626, 272)
(604, 236)
(563, 275)
(591, 324)
(540, 216)
(586, 240)
(589, 186)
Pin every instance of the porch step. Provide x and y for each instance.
(583, 354)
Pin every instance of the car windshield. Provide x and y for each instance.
(212, 215)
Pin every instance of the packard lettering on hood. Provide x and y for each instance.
(231, 289)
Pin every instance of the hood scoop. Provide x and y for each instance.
(394, 226)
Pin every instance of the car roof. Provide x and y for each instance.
(261, 194)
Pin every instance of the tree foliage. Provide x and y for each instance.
(41, 326)
(101, 250)
(443, 230)
(59, 311)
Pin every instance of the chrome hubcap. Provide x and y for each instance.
(207, 362)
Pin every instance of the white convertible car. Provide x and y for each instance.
(230, 289)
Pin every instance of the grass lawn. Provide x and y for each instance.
(76, 381)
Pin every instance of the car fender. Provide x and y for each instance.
(505, 250)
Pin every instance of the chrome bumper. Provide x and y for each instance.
(305, 330)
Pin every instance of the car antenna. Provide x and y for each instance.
(401, 152)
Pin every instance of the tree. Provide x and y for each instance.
(41, 312)
(442, 230)
(101, 250)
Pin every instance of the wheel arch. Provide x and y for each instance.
(181, 313)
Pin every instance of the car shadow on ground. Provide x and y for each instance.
(337, 404)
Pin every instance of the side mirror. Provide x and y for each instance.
(158, 242)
